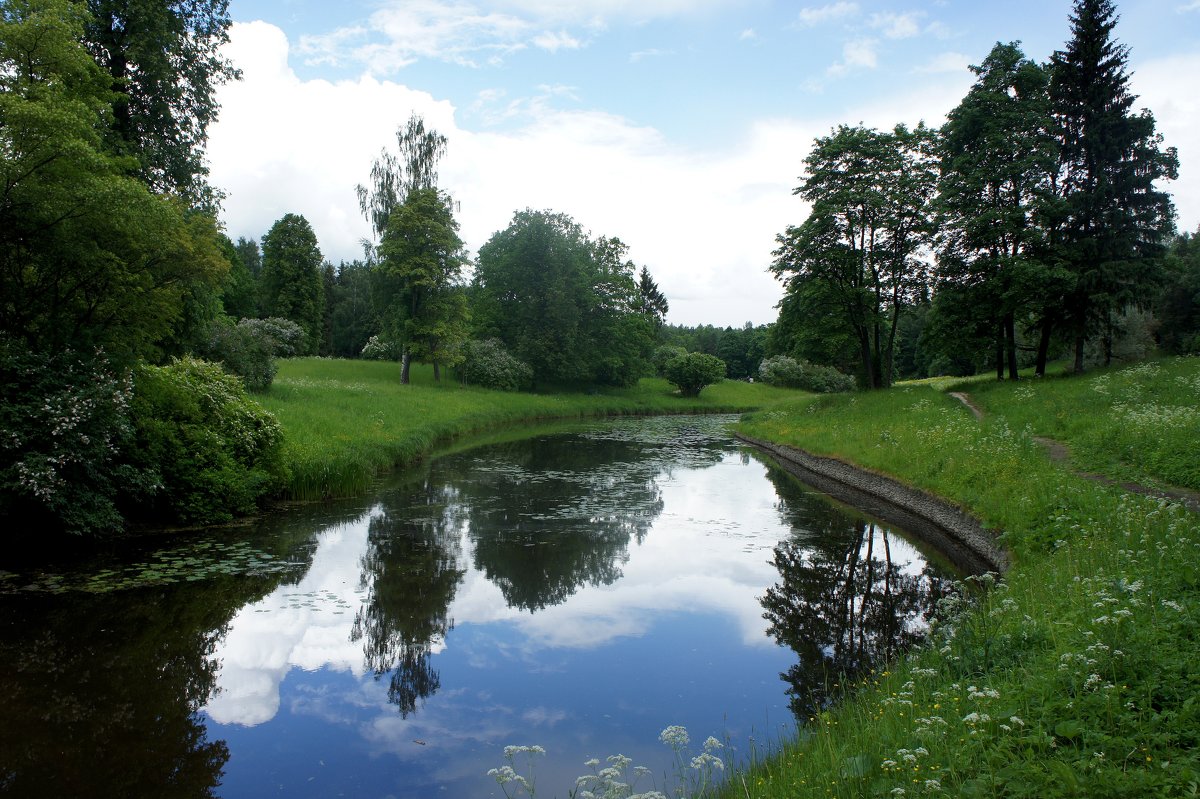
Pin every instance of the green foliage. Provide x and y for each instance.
(216, 453)
(164, 60)
(1117, 219)
(65, 420)
(88, 257)
(348, 421)
(394, 177)
(781, 370)
(352, 312)
(566, 304)
(291, 277)
(664, 355)
(1178, 306)
(422, 306)
(865, 241)
(1074, 676)
(380, 348)
(997, 201)
(239, 292)
(488, 365)
(690, 373)
(249, 348)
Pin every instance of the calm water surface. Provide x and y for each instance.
(580, 589)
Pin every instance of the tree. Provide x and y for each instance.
(291, 277)
(653, 303)
(561, 302)
(691, 372)
(239, 292)
(1116, 221)
(88, 257)
(1178, 306)
(352, 315)
(417, 281)
(251, 255)
(996, 201)
(394, 177)
(866, 240)
(164, 62)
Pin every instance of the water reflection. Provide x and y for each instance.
(410, 572)
(851, 595)
(580, 589)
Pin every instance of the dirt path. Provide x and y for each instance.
(1058, 452)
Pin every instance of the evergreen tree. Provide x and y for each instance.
(291, 281)
(1116, 221)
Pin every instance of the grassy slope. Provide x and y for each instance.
(348, 421)
(1079, 675)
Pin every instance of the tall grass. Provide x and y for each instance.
(1078, 674)
(346, 422)
(1139, 422)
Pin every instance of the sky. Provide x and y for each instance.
(677, 126)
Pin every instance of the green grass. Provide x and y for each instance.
(1139, 423)
(1078, 675)
(347, 422)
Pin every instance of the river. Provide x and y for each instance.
(579, 587)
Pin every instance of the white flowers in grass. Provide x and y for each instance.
(674, 736)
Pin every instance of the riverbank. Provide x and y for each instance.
(347, 422)
(1077, 675)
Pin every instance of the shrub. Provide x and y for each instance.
(64, 420)
(693, 371)
(215, 451)
(782, 370)
(664, 355)
(489, 365)
(379, 348)
(249, 348)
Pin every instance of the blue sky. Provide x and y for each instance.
(679, 126)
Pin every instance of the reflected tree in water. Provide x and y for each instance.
(411, 573)
(101, 694)
(550, 516)
(847, 600)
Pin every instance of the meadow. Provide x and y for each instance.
(1076, 674)
(347, 422)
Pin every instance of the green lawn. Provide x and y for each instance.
(1077, 675)
(346, 421)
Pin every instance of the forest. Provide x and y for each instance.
(1033, 225)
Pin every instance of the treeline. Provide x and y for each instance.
(1032, 224)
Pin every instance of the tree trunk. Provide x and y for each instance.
(1010, 341)
(1043, 352)
(999, 351)
(864, 343)
(404, 362)
(1079, 341)
(437, 374)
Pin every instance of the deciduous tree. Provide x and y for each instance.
(291, 281)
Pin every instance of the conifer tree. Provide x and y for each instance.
(1116, 222)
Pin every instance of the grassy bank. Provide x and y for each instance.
(1078, 675)
(348, 421)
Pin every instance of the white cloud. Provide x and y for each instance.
(1192, 6)
(553, 42)
(747, 35)
(944, 62)
(653, 52)
(856, 54)
(1166, 87)
(811, 16)
(896, 26)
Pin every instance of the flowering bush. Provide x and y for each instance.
(782, 370)
(214, 451)
(249, 348)
(64, 421)
(489, 365)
